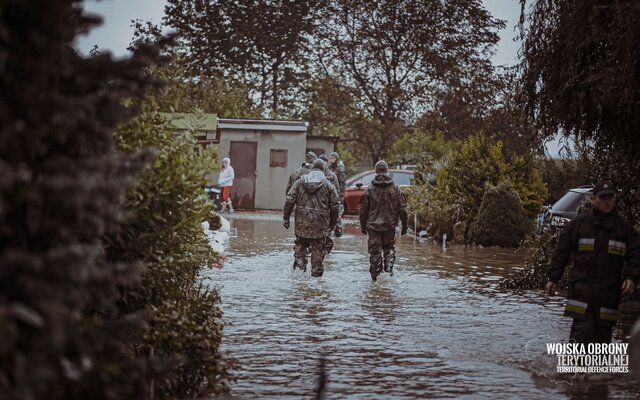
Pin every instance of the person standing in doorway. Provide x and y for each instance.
(316, 203)
(383, 203)
(226, 183)
(606, 264)
(337, 167)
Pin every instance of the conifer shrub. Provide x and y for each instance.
(501, 220)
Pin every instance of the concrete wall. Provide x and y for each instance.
(270, 181)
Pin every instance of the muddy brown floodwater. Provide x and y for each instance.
(440, 328)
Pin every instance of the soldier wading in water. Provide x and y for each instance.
(317, 207)
(382, 205)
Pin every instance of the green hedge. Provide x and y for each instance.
(62, 185)
(166, 210)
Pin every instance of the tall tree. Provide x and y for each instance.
(261, 43)
(581, 69)
(489, 107)
(206, 94)
(392, 56)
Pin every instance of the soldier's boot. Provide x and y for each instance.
(300, 263)
(230, 207)
(389, 260)
(375, 268)
(224, 206)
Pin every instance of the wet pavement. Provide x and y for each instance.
(440, 328)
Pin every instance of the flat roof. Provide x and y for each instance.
(263, 124)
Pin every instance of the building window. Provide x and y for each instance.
(279, 158)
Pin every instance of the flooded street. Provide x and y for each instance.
(439, 328)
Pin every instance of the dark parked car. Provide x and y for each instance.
(566, 209)
(357, 184)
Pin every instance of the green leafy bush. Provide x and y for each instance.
(419, 147)
(166, 210)
(460, 183)
(436, 210)
(482, 161)
(189, 331)
(501, 220)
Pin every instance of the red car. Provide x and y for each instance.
(357, 184)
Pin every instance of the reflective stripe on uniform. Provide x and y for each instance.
(586, 244)
(617, 248)
(576, 306)
(609, 314)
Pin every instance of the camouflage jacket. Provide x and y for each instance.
(317, 205)
(382, 204)
(333, 179)
(341, 173)
(302, 170)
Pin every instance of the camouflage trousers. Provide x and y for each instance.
(301, 247)
(328, 245)
(382, 251)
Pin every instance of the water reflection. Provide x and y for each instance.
(245, 227)
(379, 300)
(439, 328)
(582, 391)
(313, 301)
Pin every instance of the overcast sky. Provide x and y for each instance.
(116, 32)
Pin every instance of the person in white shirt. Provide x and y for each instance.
(226, 183)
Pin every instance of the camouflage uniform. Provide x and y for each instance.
(304, 169)
(333, 179)
(341, 173)
(382, 204)
(328, 243)
(317, 210)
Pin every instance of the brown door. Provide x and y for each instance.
(243, 160)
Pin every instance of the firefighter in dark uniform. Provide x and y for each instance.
(382, 204)
(317, 206)
(606, 263)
